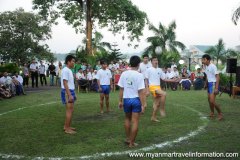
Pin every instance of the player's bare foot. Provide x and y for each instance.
(127, 142)
(71, 128)
(131, 145)
(101, 112)
(154, 120)
(211, 115)
(69, 131)
(220, 116)
(163, 113)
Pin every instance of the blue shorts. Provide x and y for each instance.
(211, 87)
(63, 95)
(105, 89)
(132, 105)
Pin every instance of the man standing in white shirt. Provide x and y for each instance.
(153, 76)
(131, 98)
(142, 69)
(34, 73)
(42, 73)
(68, 87)
(104, 79)
(213, 85)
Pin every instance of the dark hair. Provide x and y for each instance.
(207, 57)
(153, 58)
(134, 61)
(69, 58)
(103, 62)
(145, 55)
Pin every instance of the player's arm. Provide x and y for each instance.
(65, 84)
(217, 82)
(99, 87)
(141, 96)
(120, 104)
(147, 86)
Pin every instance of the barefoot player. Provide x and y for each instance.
(67, 85)
(152, 82)
(104, 80)
(131, 98)
(213, 85)
(142, 69)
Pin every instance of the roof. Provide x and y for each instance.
(202, 48)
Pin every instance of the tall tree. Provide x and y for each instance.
(116, 15)
(164, 37)
(20, 36)
(218, 51)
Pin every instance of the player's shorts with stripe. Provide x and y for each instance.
(211, 87)
(64, 95)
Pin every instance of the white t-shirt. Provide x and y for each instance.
(89, 76)
(67, 75)
(80, 76)
(211, 72)
(33, 67)
(154, 75)
(42, 69)
(143, 67)
(170, 75)
(131, 81)
(104, 76)
(19, 79)
(176, 74)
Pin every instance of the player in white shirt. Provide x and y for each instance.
(42, 71)
(152, 82)
(104, 79)
(142, 69)
(68, 87)
(131, 98)
(213, 85)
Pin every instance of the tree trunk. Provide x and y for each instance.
(89, 28)
(217, 62)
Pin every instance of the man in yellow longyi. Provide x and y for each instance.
(153, 76)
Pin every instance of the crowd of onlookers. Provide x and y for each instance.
(85, 77)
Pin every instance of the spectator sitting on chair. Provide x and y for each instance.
(18, 82)
(82, 79)
(199, 83)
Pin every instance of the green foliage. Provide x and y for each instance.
(218, 52)
(10, 68)
(21, 33)
(225, 79)
(165, 37)
(166, 58)
(115, 15)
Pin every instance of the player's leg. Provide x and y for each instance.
(67, 126)
(156, 102)
(101, 102)
(134, 129)
(127, 126)
(162, 95)
(216, 106)
(107, 102)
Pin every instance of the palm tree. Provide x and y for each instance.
(236, 15)
(218, 51)
(97, 44)
(165, 37)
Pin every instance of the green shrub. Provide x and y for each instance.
(10, 68)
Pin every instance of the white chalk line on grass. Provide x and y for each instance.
(109, 154)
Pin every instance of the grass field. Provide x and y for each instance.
(37, 130)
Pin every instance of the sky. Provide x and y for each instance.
(199, 22)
